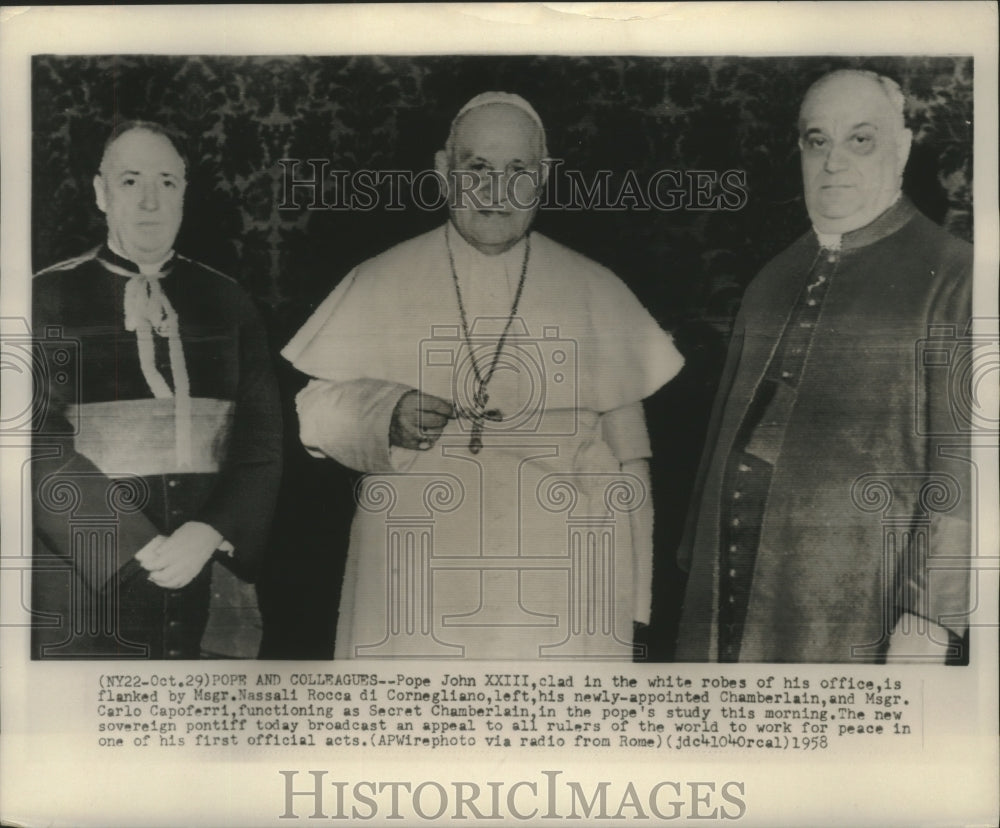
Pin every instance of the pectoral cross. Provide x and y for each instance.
(478, 414)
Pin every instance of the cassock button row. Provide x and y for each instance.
(744, 467)
(173, 653)
(732, 599)
(732, 573)
(736, 522)
(172, 483)
(811, 302)
(786, 374)
(737, 494)
(733, 547)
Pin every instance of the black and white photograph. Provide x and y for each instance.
(499, 412)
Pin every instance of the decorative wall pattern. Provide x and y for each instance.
(244, 114)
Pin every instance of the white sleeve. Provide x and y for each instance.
(624, 430)
(349, 421)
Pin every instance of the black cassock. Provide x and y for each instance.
(132, 442)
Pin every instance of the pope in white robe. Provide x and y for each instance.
(488, 381)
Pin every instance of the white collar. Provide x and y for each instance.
(468, 259)
(832, 241)
(829, 241)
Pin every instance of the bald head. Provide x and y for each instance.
(122, 128)
(854, 148)
(895, 99)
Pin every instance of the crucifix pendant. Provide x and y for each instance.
(476, 440)
(478, 414)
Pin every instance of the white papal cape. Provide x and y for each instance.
(523, 550)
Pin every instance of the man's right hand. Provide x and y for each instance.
(418, 420)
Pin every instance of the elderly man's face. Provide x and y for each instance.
(496, 167)
(853, 153)
(141, 191)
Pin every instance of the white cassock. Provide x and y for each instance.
(524, 549)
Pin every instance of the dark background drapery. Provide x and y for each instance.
(242, 115)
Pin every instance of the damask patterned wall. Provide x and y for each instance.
(244, 114)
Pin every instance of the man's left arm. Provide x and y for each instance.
(237, 516)
(624, 430)
(937, 599)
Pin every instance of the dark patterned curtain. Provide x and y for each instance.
(623, 115)
(244, 114)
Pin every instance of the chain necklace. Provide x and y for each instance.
(481, 397)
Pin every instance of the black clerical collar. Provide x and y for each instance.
(887, 223)
(108, 256)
